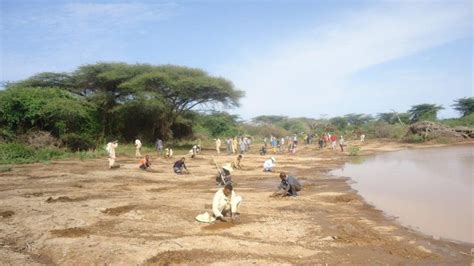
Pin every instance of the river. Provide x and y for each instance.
(430, 190)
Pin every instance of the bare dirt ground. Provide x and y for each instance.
(81, 213)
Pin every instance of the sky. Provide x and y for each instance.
(293, 58)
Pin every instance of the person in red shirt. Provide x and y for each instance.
(333, 141)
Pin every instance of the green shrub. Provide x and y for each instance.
(20, 153)
(48, 154)
(75, 142)
(15, 152)
(354, 151)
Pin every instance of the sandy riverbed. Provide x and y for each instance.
(68, 212)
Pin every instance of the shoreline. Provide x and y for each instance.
(374, 152)
(66, 212)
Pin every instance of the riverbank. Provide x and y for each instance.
(70, 212)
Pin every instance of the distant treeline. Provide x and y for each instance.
(104, 101)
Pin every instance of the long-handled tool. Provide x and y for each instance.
(219, 170)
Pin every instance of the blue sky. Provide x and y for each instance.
(294, 58)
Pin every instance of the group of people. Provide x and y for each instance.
(236, 145)
(280, 145)
(225, 204)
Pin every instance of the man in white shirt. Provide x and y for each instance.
(225, 203)
(138, 147)
(218, 146)
(269, 164)
(111, 146)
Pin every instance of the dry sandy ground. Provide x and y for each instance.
(81, 213)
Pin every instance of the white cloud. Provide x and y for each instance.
(311, 73)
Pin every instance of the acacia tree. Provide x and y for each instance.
(101, 84)
(464, 105)
(182, 89)
(268, 119)
(424, 112)
(358, 119)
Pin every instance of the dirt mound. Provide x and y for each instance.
(7, 214)
(70, 232)
(41, 139)
(119, 210)
(176, 257)
(68, 199)
(59, 199)
(429, 130)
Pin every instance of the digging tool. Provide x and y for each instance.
(219, 170)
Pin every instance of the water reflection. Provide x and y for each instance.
(429, 189)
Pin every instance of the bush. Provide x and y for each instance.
(19, 153)
(76, 142)
(48, 154)
(41, 139)
(354, 151)
(15, 152)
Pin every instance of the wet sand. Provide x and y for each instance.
(68, 212)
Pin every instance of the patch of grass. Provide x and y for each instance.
(354, 151)
(5, 168)
(16, 153)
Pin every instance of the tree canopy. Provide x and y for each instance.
(424, 112)
(131, 100)
(464, 105)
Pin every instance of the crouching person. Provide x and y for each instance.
(145, 163)
(225, 205)
(179, 166)
(289, 186)
(224, 177)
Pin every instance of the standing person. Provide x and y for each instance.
(341, 143)
(193, 151)
(228, 146)
(321, 143)
(265, 141)
(247, 144)
(325, 139)
(111, 146)
(362, 138)
(242, 145)
(145, 163)
(179, 167)
(289, 186)
(274, 144)
(333, 139)
(218, 146)
(282, 144)
(138, 147)
(168, 152)
(269, 164)
(234, 145)
(159, 147)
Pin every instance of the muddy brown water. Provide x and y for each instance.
(430, 190)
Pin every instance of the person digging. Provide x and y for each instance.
(289, 186)
(225, 207)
